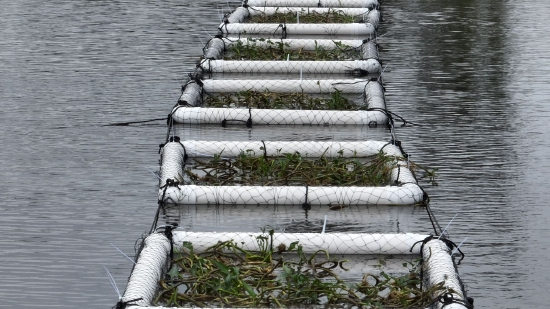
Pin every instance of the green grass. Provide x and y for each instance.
(226, 275)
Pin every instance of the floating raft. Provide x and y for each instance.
(174, 154)
(189, 111)
(216, 47)
(315, 3)
(438, 264)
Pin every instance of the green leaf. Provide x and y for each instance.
(174, 272)
(249, 290)
(223, 268)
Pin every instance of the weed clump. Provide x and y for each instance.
(274, 50)
(275, 100)
(226, 275)
(291, 169)
(305, 17)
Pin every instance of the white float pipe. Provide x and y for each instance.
(353, 29)
(198, 115)
(293, 67)
(142, 286)
(315, 3)
(171, 162)
(439, 268)
(285, 85)
(333, 243)
(191, 95)
(369, 50)
(240, 15)
(295, 44)
(408, 194)
(214, 49)
(271, 10)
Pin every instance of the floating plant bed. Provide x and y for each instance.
(290, 169)
(281, 276)
(315, 3)
(233, 48)
(252, 177)
(260, 106)
(303, 15)
(263, 270)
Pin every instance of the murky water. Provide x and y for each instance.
(474, 74)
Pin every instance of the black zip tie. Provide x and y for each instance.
(306, 205)
(449, 299)
(265, 150)
(283, 31)
(122, 304)
(168, 233)
(249, 121)
(398, 174)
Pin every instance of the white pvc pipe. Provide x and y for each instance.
(231, 149)
(408, 194)
(293, 67)
(171, 162)
(295, 44)
(353, 29)
(191, 95)
(198, 115)
(149, 269)
(333, 243)
(369, 50)
(214, 49)
(285, 85)
(315, 3)
(240, 15)
(271, 10)
(439, 267)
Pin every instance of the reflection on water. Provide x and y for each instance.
(474, 74)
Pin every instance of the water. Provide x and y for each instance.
(474, 73)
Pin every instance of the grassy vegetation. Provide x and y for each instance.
(281, 51)
(226, 275)
(332, 16)
(275, 100)
(291, 169)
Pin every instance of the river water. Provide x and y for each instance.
(474, 74)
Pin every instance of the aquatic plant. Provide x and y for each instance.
(291, 169)
(226, 275)
(276, 100)
(277, 50)
(332, 16)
